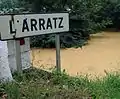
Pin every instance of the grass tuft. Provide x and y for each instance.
(39, 84)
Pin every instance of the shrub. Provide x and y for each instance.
(86, 17)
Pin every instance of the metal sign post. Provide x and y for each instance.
(18, 56)
(58, 61)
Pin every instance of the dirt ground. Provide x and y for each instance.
(101, 55)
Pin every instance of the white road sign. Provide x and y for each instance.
(6, 27)
(33, 24)
(36, 24)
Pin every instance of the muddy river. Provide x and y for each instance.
(101, 55)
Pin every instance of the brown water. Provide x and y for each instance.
(100, 55)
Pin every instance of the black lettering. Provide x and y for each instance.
(60, 24)
(25, 25)
(55, 22)
(49, 24)
(41, 24)
(11, 27)
(33, 25)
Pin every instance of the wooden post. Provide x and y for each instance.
(58, 61)
(18, 56)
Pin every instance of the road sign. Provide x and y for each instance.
(36, 24)
(6, 27)
(26, 25)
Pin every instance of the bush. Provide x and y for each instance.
(86, 17)
(38, 84)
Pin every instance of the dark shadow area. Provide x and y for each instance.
(112, 30)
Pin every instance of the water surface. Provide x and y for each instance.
(101, 55)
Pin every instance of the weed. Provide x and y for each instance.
(38, 84)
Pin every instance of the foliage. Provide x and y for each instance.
(12, 7)
(38, 84)
(86, 17)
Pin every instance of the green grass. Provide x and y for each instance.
(38, 84)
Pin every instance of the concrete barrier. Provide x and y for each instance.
(25, 54)
(5, 73)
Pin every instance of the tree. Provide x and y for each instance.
(86, 17)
